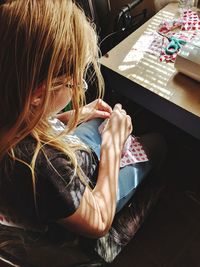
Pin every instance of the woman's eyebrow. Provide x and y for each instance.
(60, 80)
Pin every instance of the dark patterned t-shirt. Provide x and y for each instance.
(58, 188)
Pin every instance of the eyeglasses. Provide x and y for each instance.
(84, 85)
(69, 85)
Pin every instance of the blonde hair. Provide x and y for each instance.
(41, 40)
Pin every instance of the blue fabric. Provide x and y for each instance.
(129, 176)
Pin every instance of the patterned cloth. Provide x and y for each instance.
(164, 57)
(189, 25)
(190, 21)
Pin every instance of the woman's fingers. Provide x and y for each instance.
(101, 114)
(119, 125)
(96, 109)
(117, 107)
(123, 112)
(130, 122)
(102, 105)
(120, 112)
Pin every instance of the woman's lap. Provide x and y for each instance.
(89, 134)
(132, 175)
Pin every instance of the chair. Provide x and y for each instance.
(112, 30)
(6, 259)
(60, 248)
(56, 247)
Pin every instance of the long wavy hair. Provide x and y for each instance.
(41, 40)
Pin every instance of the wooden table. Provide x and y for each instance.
(141, 77)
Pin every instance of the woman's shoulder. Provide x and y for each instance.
(26, 149)
(52, 159)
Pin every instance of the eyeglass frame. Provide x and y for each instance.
(71, 86)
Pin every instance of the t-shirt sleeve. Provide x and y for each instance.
(59, 189)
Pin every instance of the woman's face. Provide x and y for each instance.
(61, 95)
(59, 99)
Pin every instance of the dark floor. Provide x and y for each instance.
(170, 236)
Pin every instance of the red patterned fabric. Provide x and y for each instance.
(189, 25)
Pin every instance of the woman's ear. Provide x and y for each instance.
(37, 96)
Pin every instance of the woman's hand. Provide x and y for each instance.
(96, 109)
(118, 127)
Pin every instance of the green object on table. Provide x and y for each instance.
(174, 45)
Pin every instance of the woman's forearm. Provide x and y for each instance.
(96, 211)
(107, 184)
(65, 116)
